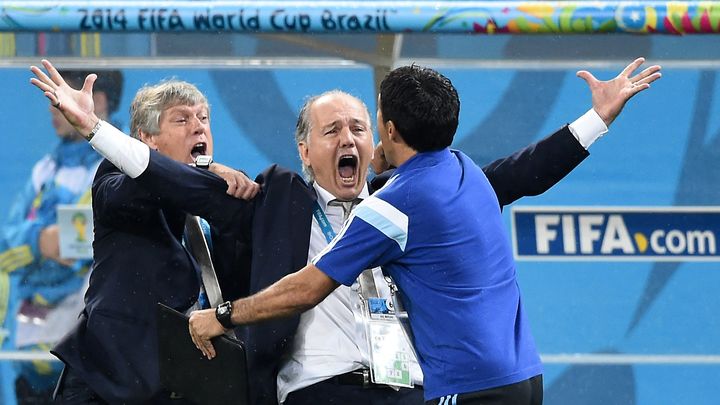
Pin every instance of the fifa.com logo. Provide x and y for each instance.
(614, 232)
(616, 238)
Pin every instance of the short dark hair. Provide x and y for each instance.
(109, 82)
(422, 104)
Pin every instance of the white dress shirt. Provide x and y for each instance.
(330, 339)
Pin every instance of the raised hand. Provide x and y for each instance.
(239, 185)
(76, 105)
(378, 162)
(609, 97)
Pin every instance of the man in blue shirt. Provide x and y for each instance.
(436, 228)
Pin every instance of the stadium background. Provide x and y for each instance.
(610, 332)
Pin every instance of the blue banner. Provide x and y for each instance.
(616, 233)
(288, 16)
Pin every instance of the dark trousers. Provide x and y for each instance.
(72, 390)
(527, 392)
(332, 392)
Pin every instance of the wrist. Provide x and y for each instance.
(223, 314)
(88, 124)
(88, 135)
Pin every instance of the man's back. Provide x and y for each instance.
(443, 241)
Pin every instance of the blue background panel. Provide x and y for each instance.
(662, 151)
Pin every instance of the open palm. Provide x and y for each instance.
(609, 97)
(76, 105)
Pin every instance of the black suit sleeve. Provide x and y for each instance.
(535, 168)
(196, 191)
(119, 200)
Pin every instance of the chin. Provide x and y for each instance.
(348, 193)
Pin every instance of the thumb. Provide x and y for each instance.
(587, 76)
(89, 82)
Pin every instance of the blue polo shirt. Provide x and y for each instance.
(436, 229)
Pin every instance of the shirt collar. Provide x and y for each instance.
(424, 159)
(324, 196)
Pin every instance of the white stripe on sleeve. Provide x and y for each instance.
(385, 218)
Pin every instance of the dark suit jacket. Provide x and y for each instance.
(270, 235)
(138, 261)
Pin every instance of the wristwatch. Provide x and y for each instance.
(93, 131)
(223, 312)
(203, 161)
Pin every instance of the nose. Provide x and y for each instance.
(200, 126)
(347, 140)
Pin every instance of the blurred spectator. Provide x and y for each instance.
(40, 292)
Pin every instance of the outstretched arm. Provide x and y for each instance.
(290, 295)
(537, 167)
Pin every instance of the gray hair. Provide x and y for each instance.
(304, 124)
(150, 102)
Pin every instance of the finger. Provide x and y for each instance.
(649, 79)
(243, 187)
(631, 67)
(244, 191)
(587, 76)
(53, 73)
(232, 187)
(207, 349)
(193, 337)
(645, 73)
(40, 85)
(255, 189)
(210, 349)
(89, 82)
(250, 190)
(200, 344)
(637, 89)
(42, 76)
(50, 95)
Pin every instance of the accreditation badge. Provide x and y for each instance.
(390, 351)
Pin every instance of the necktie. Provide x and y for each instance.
(199, 248)
(347, 206)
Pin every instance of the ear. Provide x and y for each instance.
(303, 151)
(148, 140)
(393, 133)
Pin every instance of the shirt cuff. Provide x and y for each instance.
(126, 153)
(588, 128)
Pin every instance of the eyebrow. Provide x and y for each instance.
(353, 121)
(186, 109)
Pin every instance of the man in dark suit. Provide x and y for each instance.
(279, 233)
(139, 260)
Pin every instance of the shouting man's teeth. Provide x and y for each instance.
(198, 149)
(347, 166)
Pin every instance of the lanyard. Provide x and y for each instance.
(324, 223)
(387, 328)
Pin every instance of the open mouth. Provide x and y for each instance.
(200, 148)
(347, 168)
